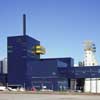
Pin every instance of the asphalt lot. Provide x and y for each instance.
(47, 97)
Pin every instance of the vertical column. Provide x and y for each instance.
(24, 24)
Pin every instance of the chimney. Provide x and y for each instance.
(24, 24)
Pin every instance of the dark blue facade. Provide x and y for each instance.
(80, 72)
(44, 73)
(68, 60)
(26, 69)
(19, 53)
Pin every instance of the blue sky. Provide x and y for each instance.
(61, 25)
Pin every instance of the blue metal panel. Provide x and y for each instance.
(69, 61)
(19, 53)
(80, 72)
(42, 67)
(46, 67)
(44, 72)
(61, 64)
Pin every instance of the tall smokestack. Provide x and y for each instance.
(24, 24)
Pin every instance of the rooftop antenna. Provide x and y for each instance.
(24, 24)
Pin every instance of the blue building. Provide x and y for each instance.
(19, 53)
(44, 72)
(25, 68)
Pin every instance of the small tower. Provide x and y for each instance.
(90, 60)
(89, 56)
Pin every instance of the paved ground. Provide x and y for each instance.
(47, 97)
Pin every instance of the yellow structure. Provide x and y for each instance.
(38, 49)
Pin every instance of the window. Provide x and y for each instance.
(9, 47)
(10, 51)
